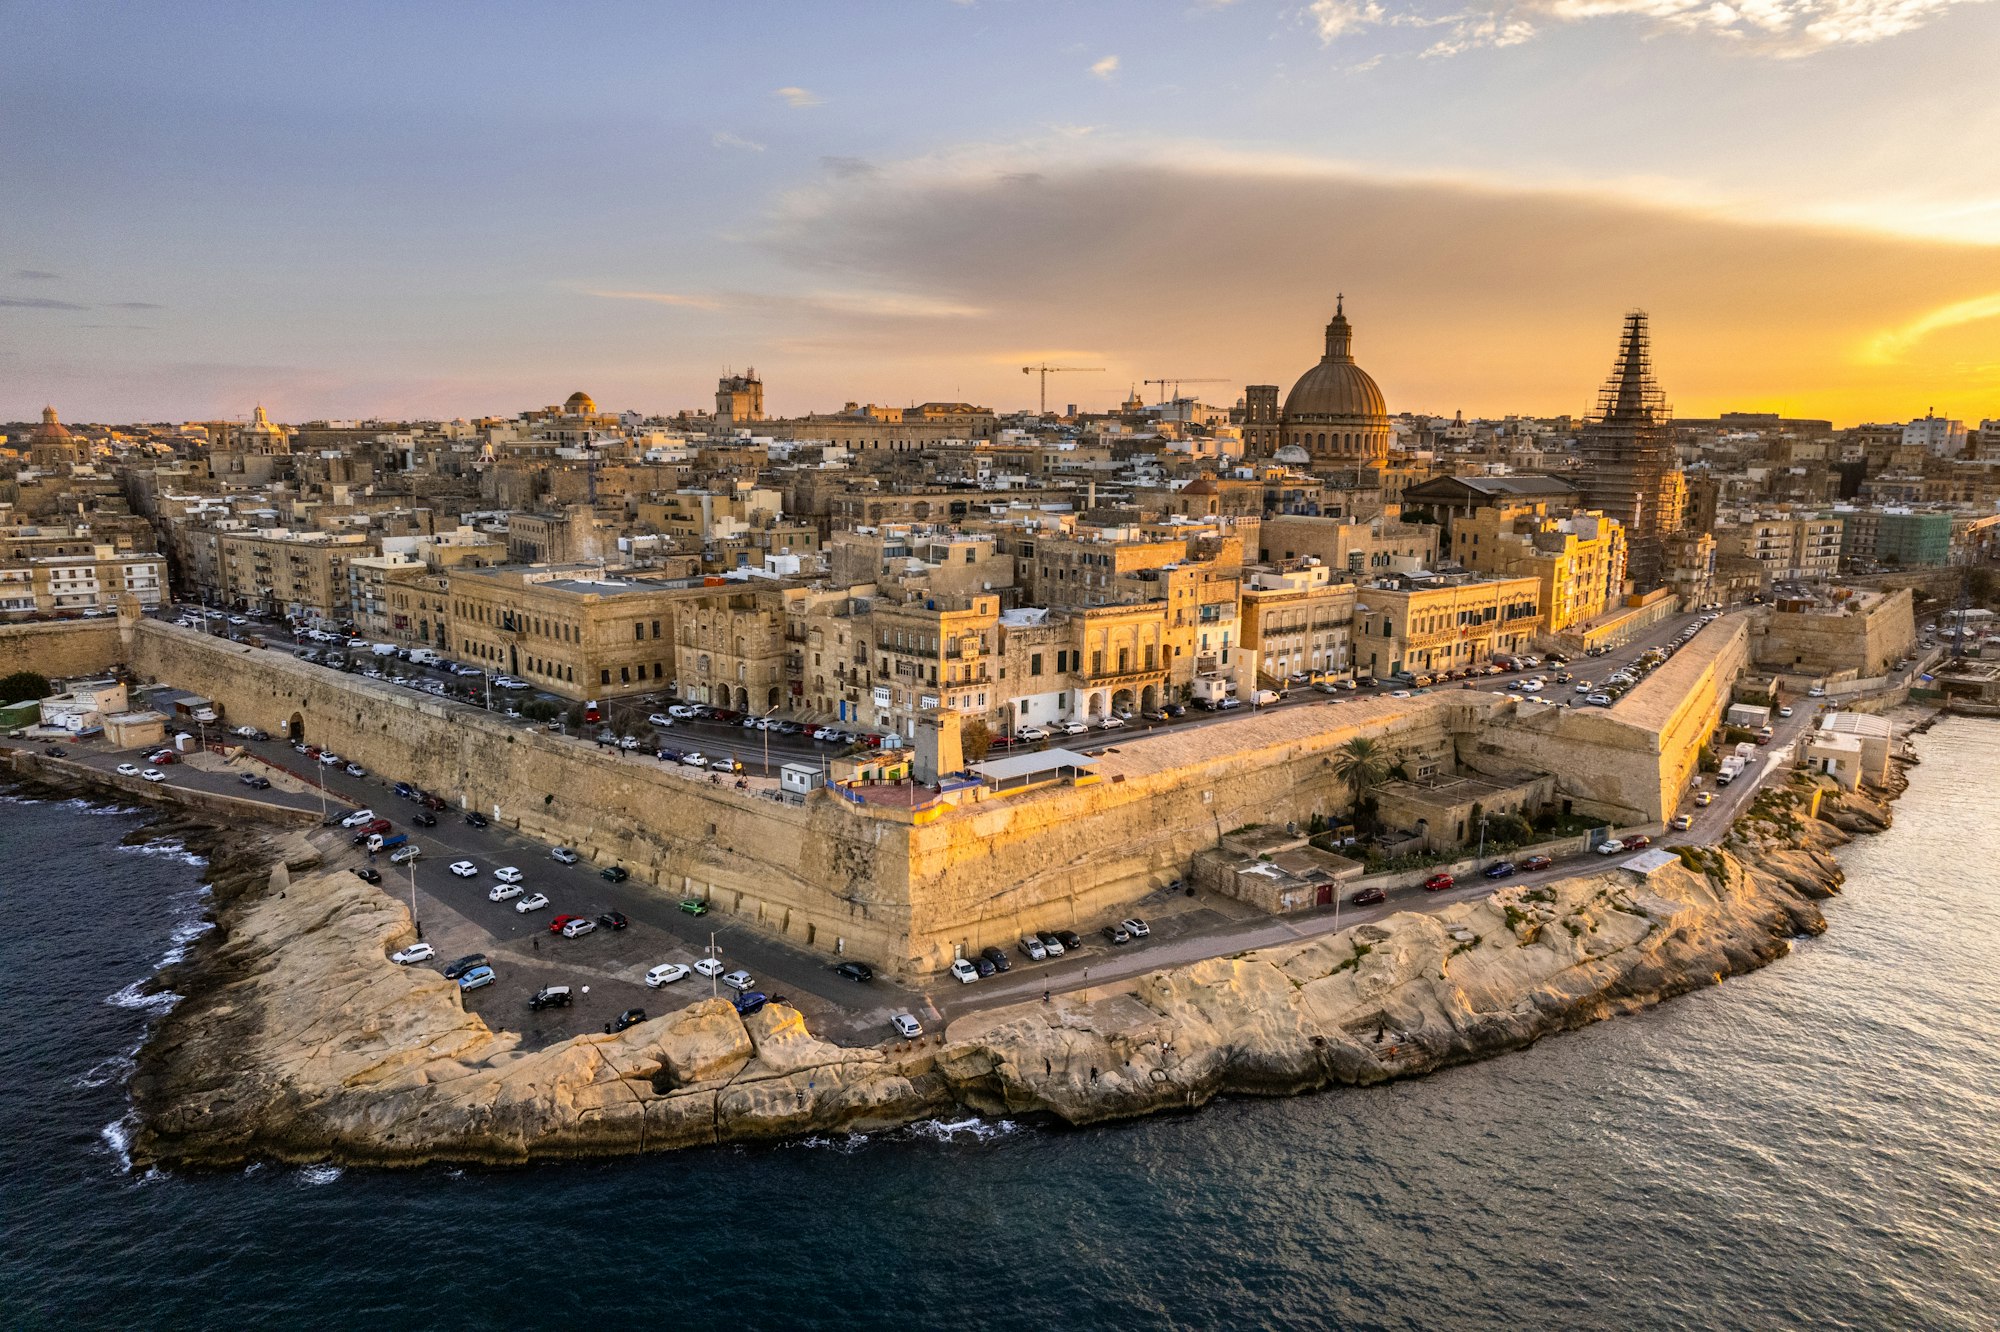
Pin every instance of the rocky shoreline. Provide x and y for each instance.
(298, 1041)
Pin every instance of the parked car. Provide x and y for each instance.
(694, 906)
(550, 996)
(1070, 940)
(367, 875)
(1368, 897)
(423, 818)
(738, 980)
(631, 1017)
(1611, 848)
(725, 764)
(416, 952)
(564, 855)
(465, 869)
(1031, 734)
(463, 965)
(154, 775)
(369, 831)
(1784, 712)
(476, 978)
(615, 873)
(1533, 863)
(1072, 728)
(355, 770)
(750, 1002)
(855, 971)
(998, 957)
(475, 818)
(128, 770)
(507, 874)
(357, 818)
(578, 927)
(665, 974)
(1033, 948)
(1705, 798)
(1439, 882)
(709, 966)
(403, 855)
(1681, 822)
(1637, 842)
(612, 920)
(659, 719)
(965, 971)
(1500, 869)
(532, 902)
(1815, 692)
(256, 781)
(1050, 944)
(1136, 927)
(1117, 934)
(907, 1026)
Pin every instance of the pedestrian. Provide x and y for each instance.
(538, 943)
(1093, 1072)
(1045, 996)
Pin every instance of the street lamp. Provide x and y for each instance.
(714, 986)
(413, 900)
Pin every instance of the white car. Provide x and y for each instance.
(1531, 686)
(532, 902)
(331, 760)
(247, 732)
(1136, 927)
(465, 869)
(694, 761)
(154, 775)
(509, 682)
(564, 855)
(907, 1026)
(357, 818)
(740, 981)
(965, 971)
(1109, 724)
(680, 711)
(417, 952)
(1072, 728)
(1815, 692)
(500, 892)
(724, 764)
(1611, 849)
(660, 719)
(1784, 712)
(128, 770)
(507, 874)
(709, 966)
(581, 925)
(403, 855)
(1031, 733)
(665, 975)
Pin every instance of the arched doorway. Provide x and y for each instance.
(1122, 701)
(742, 699)
(1149, 699)
(1095, 709)
(771, 700)
(296, 727)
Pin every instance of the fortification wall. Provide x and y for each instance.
(60, 649)
(822, 877)
(1867, 642)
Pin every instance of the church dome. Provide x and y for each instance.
(579, 404)
(50, 428)
(1336, 387)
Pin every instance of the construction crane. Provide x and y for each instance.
(1046, 370)
(1178, 380)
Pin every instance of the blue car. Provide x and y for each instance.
(746, 1004)
(476, 977)
(1500, 870)
(404, 789)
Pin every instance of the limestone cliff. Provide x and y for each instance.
(300, 1041)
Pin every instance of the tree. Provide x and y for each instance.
(1363, 766)
(974, 740)
(22, 686)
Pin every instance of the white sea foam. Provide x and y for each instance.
(846, 1143)
(135, 996)
(20, 800)
(953, 1130)
(107, 1071)
(320, 1174)
(117, 1137)
(168, 848)
(184, 934)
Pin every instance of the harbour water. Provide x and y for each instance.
(1815, 1144)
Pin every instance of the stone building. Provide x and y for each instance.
(1335, 412)
(570, 629)
(1579, 557)
(1415, 626)
(1297, 621)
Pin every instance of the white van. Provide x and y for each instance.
(424, 657)
(1263, 698)
(383, 649)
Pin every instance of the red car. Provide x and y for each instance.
(1368, 897)
(555, 926)
(1437, 883)
(1535, 863)
(1638, 842)
(160, 758)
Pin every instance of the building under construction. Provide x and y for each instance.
(1629, 468)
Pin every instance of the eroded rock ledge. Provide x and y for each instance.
(299, 1041)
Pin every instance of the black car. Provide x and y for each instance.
(423, 818)
(367, 875)
(1070, 939)
(984, 967)
(631, 1017)
(56, 751)
(1368, 897)
(464, 964)
(617, 874)
(997, 956)
(855, 971)
(550, 996)
(1117, 934)
(1500, 870)
(475, 818)
(613, 920)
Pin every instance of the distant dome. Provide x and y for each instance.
(50, 428)
(579, 404)
(1335, 412)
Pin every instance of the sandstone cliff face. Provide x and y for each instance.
(300, 1041)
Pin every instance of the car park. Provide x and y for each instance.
(631, 1017)
(998, 957)
(855, 971)
(709, 966)
(665, 974)
(366, 875)
(1439, 882)
(907, 1026)
(1033, 948)
(1368, 897)
(550, 996)
(1533, 863)
(964, 971)
(476, 978)
(532, 902)
(1136, 927)
(507, 874)
(582, 925)
(738, 980)
(416, 952)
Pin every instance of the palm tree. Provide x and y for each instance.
(1362, 764)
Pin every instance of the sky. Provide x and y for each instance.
(437, 210)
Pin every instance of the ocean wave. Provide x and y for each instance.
(184, 935)
(115, 1068)
(135, 996)
(846, 1143)
(117, 1138)
(315, 1175)
(952, 1130)
(20, 800)
(169, 848)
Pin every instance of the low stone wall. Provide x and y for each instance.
(209, 806)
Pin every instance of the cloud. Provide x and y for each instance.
(849, 168)
(724, 139)
(1892, 347)
(36, 275)
(1761, 316)
(864, 304)
(1106, 67)
(661, 298)
(1338, 18)
(38, 303)
(1779, 28)
(134, 305)
(798, 98)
